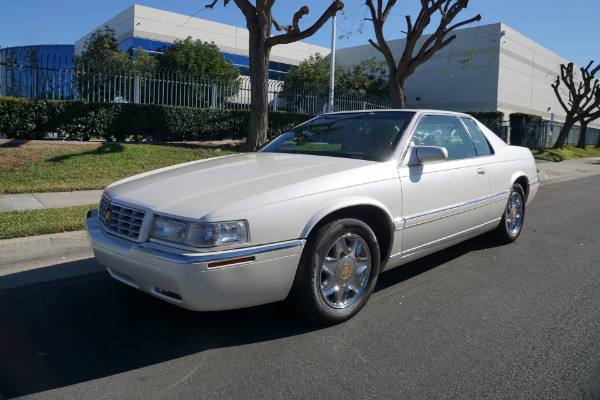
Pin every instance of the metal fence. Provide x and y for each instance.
(541, 134)
(61, 79)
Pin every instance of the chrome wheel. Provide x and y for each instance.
(513, 217)
(337, 271)
(345, 271)
(514, 213)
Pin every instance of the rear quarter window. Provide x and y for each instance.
(481, 144)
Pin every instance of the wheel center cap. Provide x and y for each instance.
(345, 270)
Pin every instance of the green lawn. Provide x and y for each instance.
(566, 153)
(40, 222)
(97, 166)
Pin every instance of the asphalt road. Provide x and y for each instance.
(474, 321)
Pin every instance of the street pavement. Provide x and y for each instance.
(476, 321)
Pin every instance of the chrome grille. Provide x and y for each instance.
(120, 220)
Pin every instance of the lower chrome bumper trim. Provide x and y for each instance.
(211, 257)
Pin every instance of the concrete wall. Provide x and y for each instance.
(154, 24)
(122, 23)
(442, 82)
(526, 72)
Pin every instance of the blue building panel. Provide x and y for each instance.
(277, 70)
(38, 71)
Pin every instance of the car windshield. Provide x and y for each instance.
(364, 135)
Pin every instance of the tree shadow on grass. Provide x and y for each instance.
(119, 147)
(12, 143)
(207, 145)
(104, 148)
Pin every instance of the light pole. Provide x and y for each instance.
(332, 69)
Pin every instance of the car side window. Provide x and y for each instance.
(445, 131)
(481, 144)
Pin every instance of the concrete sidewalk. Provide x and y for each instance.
(36, 201)
(553, 172)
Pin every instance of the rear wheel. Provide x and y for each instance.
(512, 220)
(337, 272)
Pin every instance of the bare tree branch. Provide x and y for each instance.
(584, 100)
(286, 28)
(297, 16)
(294, 36)
(558, 96)
(374, 45)
(399, 72)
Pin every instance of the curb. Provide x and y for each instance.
(34, 248)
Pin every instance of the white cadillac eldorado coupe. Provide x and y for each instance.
(316, 214)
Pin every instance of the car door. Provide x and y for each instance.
(442, 200)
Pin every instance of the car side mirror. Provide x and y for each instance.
(429, 154)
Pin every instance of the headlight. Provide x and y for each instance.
(200, 234)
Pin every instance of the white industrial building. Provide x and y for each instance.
(507, 72)
(152, 29)
(486, 68)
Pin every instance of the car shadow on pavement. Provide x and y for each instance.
(422, 265)
(74, 330)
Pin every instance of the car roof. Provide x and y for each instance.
(417, 111)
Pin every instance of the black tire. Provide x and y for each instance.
(513, 217)
(337, 272)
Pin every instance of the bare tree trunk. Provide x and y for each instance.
(564, 133)
(259, 84)
(582, 135)
(598, 142)
(396, 91)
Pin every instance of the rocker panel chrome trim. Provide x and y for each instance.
(466, 203)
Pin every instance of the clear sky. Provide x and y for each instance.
(568, 28)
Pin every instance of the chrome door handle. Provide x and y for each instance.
(480, 171)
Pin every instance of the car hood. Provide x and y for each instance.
(215, 187)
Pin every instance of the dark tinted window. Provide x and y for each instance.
(481, 144)
(364, 135)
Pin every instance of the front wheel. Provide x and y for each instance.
(337, 272)
(514, 214)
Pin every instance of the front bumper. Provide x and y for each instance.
(210, 281)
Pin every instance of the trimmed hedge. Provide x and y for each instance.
(33, 119)
(525, 130)
(491, 119)
(522, 118)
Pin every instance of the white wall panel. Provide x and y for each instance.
(150, 23)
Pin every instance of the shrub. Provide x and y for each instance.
(523, 119)
(22, 118)
(491, 119)
(33, 119)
